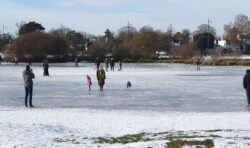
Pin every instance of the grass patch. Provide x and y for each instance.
(174, 137)
(231, 143)
(180, 143)
(61, 140)
(213, 131)
(214, 136)
(123, 139)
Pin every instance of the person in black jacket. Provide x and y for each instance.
(0, 59)
(45, 67)
(198, 63)
(97, 62)
(112, 64)
(76, 62)
(28, 75)
(246, 85)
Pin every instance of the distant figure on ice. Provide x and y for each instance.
(100, 75)
(97, 62)
(120, 64)
(45, 67)
(89, 82)
(1, 59)
(16, 61)
(106, 64)
(112, 64)
(198, 63)
(76, 62)
(246, 85)
(29, 62)
(28, 75)
(128, 84)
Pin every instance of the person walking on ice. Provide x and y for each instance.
(16, 61)
(100, 75)
(28, 75)
(97, 63)
(76, 62)
(112, 64)
(120, 64)
(0, 59)
(107, 64)
(45, 67)
(198, 63)
(89, 82)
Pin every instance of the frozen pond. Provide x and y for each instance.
(155, 87)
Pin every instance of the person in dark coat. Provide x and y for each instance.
(28, 75)
(76, 62)
(16, 61)
(112, 64)
(106, 64)
(246, 85)
(45, 67)
(120, 64)
(97, 63)
(1, 59)
(100, 75)
(198, 63)
(29, 62)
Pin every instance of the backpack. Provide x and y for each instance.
(102, 72)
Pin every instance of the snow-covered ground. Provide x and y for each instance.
(163, 98)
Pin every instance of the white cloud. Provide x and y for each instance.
(97, 2)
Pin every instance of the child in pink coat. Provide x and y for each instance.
(89, 82)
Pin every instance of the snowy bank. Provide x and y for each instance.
(39, 127)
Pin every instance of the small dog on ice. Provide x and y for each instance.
(128, 84)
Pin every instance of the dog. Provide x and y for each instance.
(129, 84)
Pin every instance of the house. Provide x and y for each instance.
(223, 45)
(5, 54)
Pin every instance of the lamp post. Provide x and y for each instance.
(128, 31)
(3, 31)
(208, 32)
(244, 45)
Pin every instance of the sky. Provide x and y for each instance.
(95, 16)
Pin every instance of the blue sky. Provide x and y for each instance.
(94, 16)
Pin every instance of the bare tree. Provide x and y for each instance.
(242, 22)
(238, 31)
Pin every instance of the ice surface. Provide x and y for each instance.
(163, 98)
(157, 87)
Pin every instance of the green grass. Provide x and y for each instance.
(177, 137)
(182, 136)
(123, 139)
(180, 143)
(60, 140)
(213, 131)
(214, 136)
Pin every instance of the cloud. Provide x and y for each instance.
(94, 16)
(103, 3)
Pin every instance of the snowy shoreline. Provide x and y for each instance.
(156, 121)
(36, 127)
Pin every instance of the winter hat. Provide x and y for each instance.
(27, 67)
